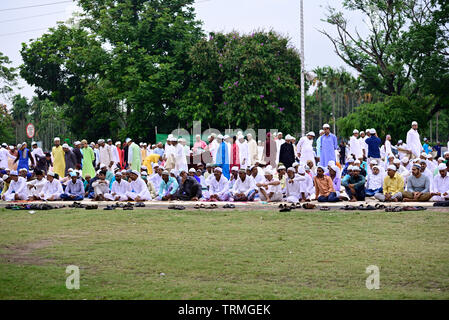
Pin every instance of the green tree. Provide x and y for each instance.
(243, 81)
(8, 77)
(6, 126)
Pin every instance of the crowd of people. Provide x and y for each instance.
(231, 168)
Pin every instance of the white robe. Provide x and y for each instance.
(119, 190)
(37, 151)
(440, 185)
(213, 146)
(105, 155)
(243, 154)
(294, 189)
(219, 188)
(180, 158)
(156, 180)
(100, 188)
(243, 186)
(355, 147)
(414, 142)
(279, 143)
(307, 186)
(363, 145)
(4, 158)
(305, 148)
(252, 152)
(276, 190)
(18, 187)
(37, 187)
(50, 189)
(139, 188)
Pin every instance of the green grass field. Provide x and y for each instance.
(223, 254)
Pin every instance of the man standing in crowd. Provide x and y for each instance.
(328, 146)
(413, 140)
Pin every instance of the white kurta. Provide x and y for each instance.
(139, 188)
(243, 186)
(213, 146)
(252, 152)
(219, 188)
(180, 158)
(119, 190)
(305, 148)
(36, 187)
(276, 190)
(100, 188)
(51, 189)
(18, 187)
(156, 180)
(402, 154)
(279, 143)
(414, 142)
(4, 158)
(294, 188)
(243, 154)
(105, 155)
(355, 147)
(363, 145)
(307, 186)
(440, 185)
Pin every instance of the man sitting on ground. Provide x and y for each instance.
(53, 188)
(119, 189)
(393, 186)
(219, 186)
(17, 188)
(168, 187)
(244, 188)
(355, 185)
(324, 187)
(101, 187)
(440, 186)
(189, 189)
(270, 188)
(139, 188)
(74, 191)
(418, 186)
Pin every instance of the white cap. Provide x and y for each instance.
(311, 133)
(135, 172)
(321, 131)
(218, 169)
(357, 162)
(291, 169)
(356, 168)
(128, 140)
(400, 141)
(288, 137)
(118, 173)
(279, 133)
(268, 172)
(414, 123)
(301, 170)
(65, 145)
(102, 165)
(396, 161)
(50, 173)
(13, 173)
(372, 131)
(144, 173)
(219, 136)
(423, 154)
(355, 131)
(405, 160)
(326, 126)
(429, 156)
(373, 162)
(143, 167)
(234, 169)
(165, 172)
(192, 170)
(281, 168)
(441, 166)
(350, 160)
(33, 143)
(25, 169)
(77, 143)
(226, 137)
(57, 139)
(70, 170)
(295, 164)
(118, 142)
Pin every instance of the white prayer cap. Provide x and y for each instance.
(429, 156)
(118, 173)
(405, 160)
(288, 137)
(77, 143)
(362, 131)
(392, 167)
(13, 173)
(100, 141)
(291, 169)
(65, 145)
(423, 154)
(240, 137)
(128, 140)
(372, 131)
(234, 169)
(373, 162)
(390, 155)
(440, 159)
(197, 136)
(219, 136)
(355, 131)
(417, 165)
(269, 167)
(357, 162)
(414, 123)
(170, 135)
(311, 133)
(400, 141)
(145, 144)
(447, 152)
(56, 139)
(295, 164)
(335, 168)
(154, 165)
(33, 143)
(180, 140)
(249, 135)
(320, 167)
(123, 171)
(396, 161)
(4, 145)
(326, 126)
(118, 142)
(192, 170)
(321, 131)
(377, 167)
(50, 173)
(208, 165)
(356, 168)
(213, 134)
(19, 146)
(141, 144)
(218, 169)
(279, 133)
(143, 168)
(425, 139)
(281, 168)
(102, 165)
(11, 147)
(350, 160)
(24, 169)
(144, 174)
(268, 172)
(135, 172)
(331, 163)
(441, 166)
(165, 172)
(70, 170)
(423, 161)
(5, 176)
(301, 170)
(226, 137)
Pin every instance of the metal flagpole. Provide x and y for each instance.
(303, 99)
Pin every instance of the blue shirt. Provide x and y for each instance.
(426, 148)
(165, 187)
(373, 143)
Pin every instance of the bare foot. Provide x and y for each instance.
(353, 200)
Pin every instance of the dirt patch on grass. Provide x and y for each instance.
(24, 254)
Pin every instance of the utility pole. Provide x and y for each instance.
(303, 98)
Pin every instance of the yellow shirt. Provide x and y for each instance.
(5, 188)
(149, 160)
(393, 185)
(58, 161)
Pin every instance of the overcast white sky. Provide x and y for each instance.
(18, 26)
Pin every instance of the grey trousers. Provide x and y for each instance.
(381, 196)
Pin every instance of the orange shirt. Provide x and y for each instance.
(323, 186)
